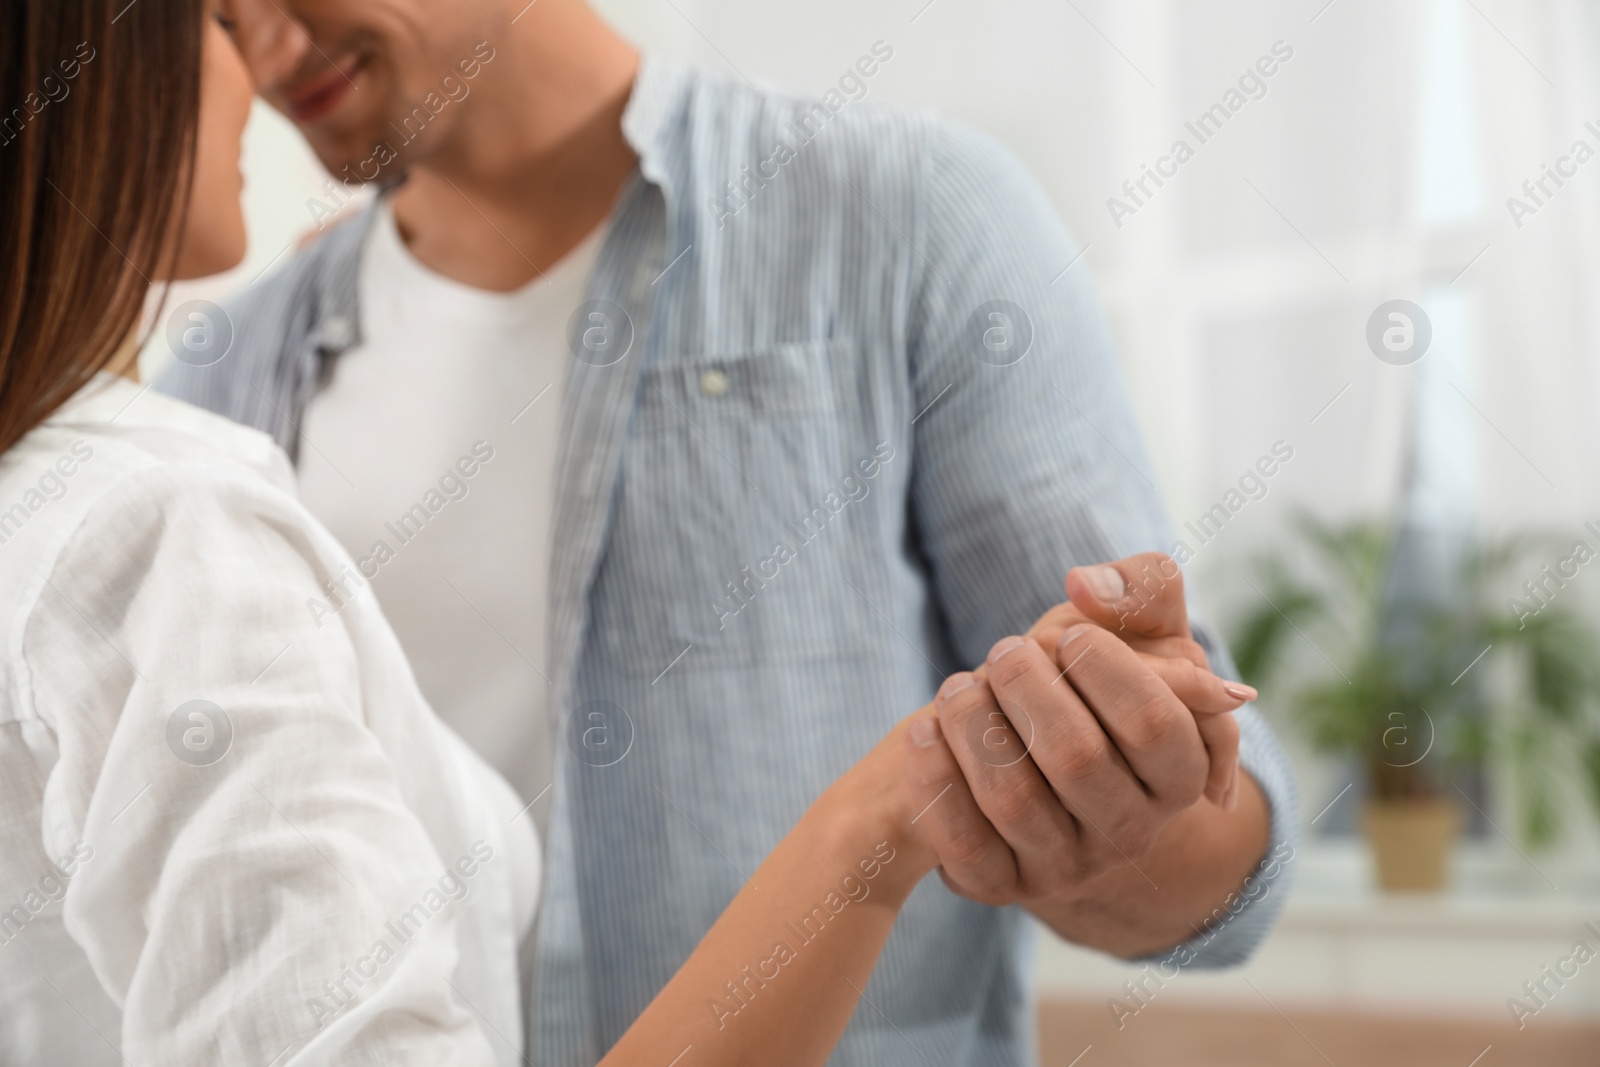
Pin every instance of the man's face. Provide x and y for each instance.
(349, 73)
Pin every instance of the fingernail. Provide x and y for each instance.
(1105, 583)
(1004, 647)
(1231, 801)
(924, 731)
(1072, 633)
(1239, 691)
(955, 684)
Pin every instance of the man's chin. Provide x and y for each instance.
(359, 160)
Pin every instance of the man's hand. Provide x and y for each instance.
(1140, 599)
(1051, 776)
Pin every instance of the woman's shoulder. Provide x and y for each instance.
(140, 427)
(96, 501)
(117, 451)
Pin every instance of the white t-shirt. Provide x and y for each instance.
(230, 829)
(430, 453)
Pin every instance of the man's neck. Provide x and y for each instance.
(537, 164)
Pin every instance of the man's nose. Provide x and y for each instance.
(272, 41)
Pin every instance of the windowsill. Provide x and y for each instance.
(1341, 943)
(1493, 890)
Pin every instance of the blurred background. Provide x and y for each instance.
(1412, 587)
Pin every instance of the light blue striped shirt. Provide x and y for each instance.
(839, 419)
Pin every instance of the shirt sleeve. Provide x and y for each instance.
(257, 889)
(1028, 456)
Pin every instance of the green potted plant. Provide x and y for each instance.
(1417, 688)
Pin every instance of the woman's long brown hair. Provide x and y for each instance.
(99, 100)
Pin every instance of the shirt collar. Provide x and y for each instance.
(336, 322)
(654, 109)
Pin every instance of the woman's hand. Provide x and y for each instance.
(1152, 621)
(1140, 599)
(1050, 776)
(875, 798)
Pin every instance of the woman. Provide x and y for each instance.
(231, 830)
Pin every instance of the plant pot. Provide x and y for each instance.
(1412, 842)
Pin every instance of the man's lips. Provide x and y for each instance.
(317, 96)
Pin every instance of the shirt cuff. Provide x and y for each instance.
(1238, 925)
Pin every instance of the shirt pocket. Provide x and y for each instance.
(788, 381)
(744, 521)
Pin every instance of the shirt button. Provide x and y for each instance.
(713, 383)
(338, 331)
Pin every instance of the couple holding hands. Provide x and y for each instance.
(521, 786)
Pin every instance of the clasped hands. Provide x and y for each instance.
(1065, 755)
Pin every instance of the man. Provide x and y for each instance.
(704, 429)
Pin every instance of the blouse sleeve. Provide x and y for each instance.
(257, 890)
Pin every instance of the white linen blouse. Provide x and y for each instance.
(231, 829)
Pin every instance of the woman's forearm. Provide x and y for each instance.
(777, 977)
